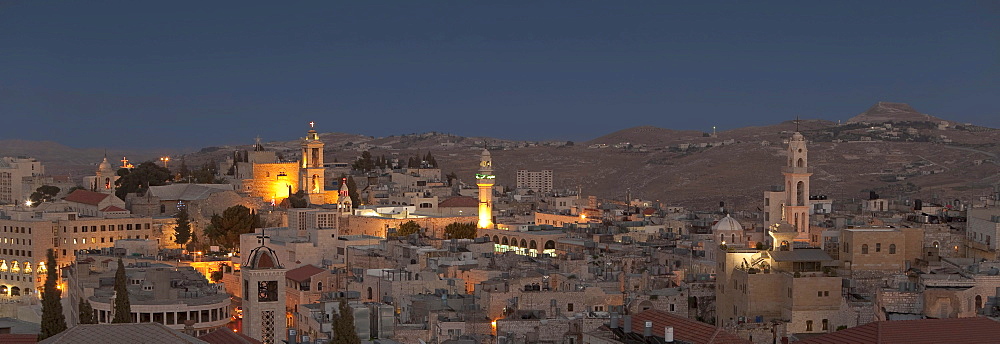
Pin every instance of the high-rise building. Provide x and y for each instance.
(12, 174)
(537, 181)
(485, 180)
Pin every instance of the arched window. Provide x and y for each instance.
(319, 286)
(800, 163)
(722, 237)
(370, 296)
(979, 302)
(892, 248)
(800, 193)
(936, 244)
(733, 237)
(864, 249)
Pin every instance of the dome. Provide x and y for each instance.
(797, 136)
(262, 257)
(727, 223)
(105, 166)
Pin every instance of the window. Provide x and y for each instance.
(819, 294)
(892, 248)
(878, 247)
(826, 325)
(864, 249)
(826, 293)
(809, 325)
(569, 307)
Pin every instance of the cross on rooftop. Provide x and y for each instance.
(262, 236)
(312, 125)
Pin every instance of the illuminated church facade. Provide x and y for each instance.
(263, 175)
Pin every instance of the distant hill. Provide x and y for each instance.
(911, 159)
(883, 112)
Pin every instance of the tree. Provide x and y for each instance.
(140, 178)
(216, 276)
(234, 221)
(53, 320)
(44, 193)
(343, 326)
(86, 312)
(430, 160)
(184, 171)
(364, 163)
(407, 228)
(352, 190)
(182, 233)
(452, 178)
(298, 200)
(457, 230)
(123, 306)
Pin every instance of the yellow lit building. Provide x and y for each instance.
(276, 181)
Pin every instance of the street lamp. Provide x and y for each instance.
(165, 160)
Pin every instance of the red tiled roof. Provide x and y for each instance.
(112, 208)
(227, 336)
(648, 211)
(86, 197)
(18, 338)
(684, 329)
(302, 273)
(923, 331)
(459, 202)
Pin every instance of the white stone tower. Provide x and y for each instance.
(311, 173)
(796, 211)
(485, 180)
(263, 295)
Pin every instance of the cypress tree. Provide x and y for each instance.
(343, 326)
(182, 233)
(86, 312)
(123, 308)
(53, 320)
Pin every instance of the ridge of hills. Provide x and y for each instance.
(907, 155)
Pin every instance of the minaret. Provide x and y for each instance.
(485, 180)
(796, 210)
(263, 295)
(311, 172)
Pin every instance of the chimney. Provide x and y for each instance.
(668, 334)
(627, 324)
(647, 331)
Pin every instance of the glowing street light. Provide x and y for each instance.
(165, 160)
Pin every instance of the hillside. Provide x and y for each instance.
(883, 112)
(907, 159)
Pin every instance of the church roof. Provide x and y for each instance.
(112, 208)
(303, 273)
(226, 336)
(86, 197)
(187, 192)
(105, 166)
(459, 202)
(150, 333)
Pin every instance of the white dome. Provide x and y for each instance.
(105, 166)
(727, 223)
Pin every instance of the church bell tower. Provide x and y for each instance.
(263, 295)
(796, 210)
(311, 171)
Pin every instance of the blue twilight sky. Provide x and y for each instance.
(196, 73)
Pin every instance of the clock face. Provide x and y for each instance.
(267, 291)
